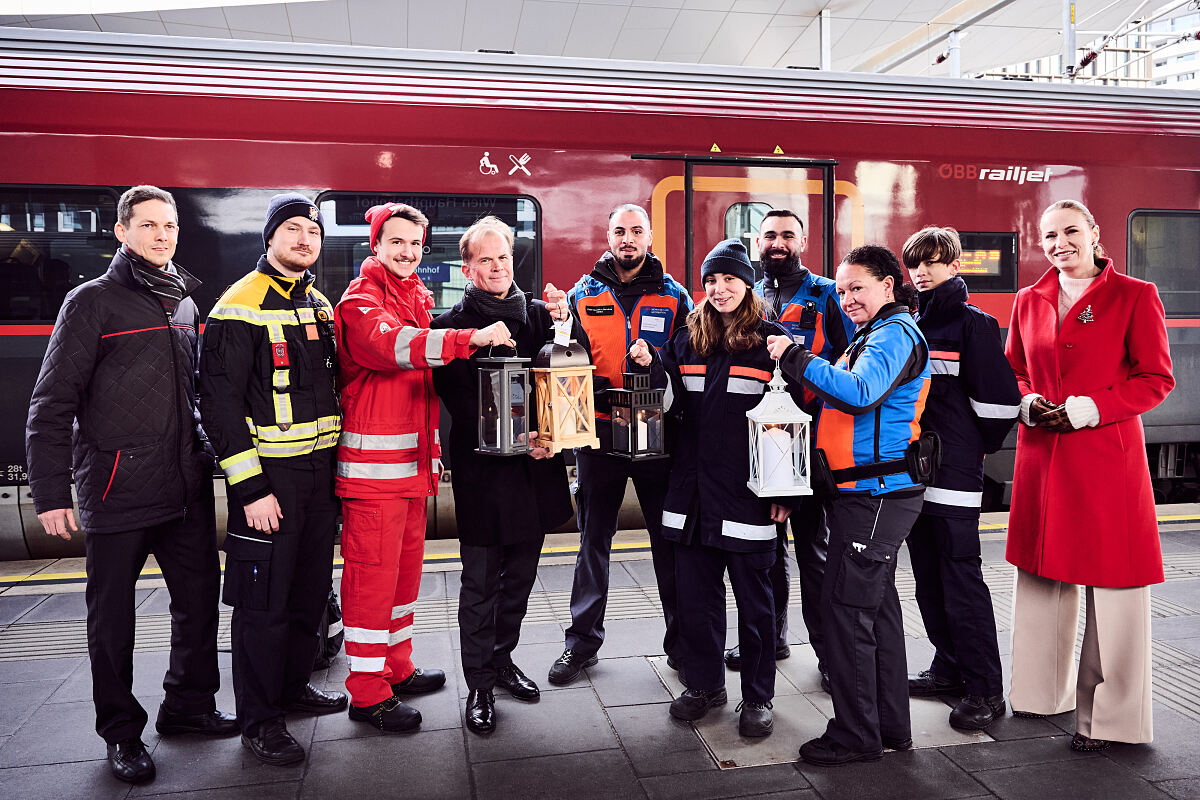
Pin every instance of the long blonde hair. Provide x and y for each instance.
(708, 332)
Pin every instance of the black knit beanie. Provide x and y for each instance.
(730, 257)
(287, 205)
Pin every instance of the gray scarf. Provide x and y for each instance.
(508, 309)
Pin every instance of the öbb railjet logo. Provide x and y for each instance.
(975, 172)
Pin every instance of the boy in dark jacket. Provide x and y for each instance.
(972, 405)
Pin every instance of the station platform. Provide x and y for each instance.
(607, 735)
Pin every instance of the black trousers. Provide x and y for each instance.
(956, 604)
(812, 545)
(864, 627)
(598, 495)
(186, 551)
(496, 582)
(278, 589)
(699, 576)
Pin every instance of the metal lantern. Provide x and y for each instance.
(562, 376)
(637, 419)
(503, 406)
(779, 454)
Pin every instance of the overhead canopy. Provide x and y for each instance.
(892, 36)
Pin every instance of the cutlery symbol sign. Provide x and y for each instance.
(519, 163)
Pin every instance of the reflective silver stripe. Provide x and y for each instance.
(403, 346)
(745, 386)
(357, 469)
(434, 342)
(360, 664)
(378, 441)
(365, 635)
(284, 449)
(740, 530)
(404, 610)
(950, 497)
(255, 315)
(693, 383)
(668, 397)
(402, 635)
(672, 520)
(250, 538)
(940, 366)
(995, 410)
(335, 628)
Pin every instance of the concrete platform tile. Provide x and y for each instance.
(1012, 728)
(632, 637)
(796, 721)
(655, 744)
(18, 701)
(1013, 753)
(260, 791)
(931, 725)
(590, 776)
(798, 672)
(1080, 777)
(433, 586)
(629, 681)
(190, 763)
(39, 669)
(429, 765)
(66, 606)
(1172, 754)
(90, 779)
(926, 774)
(534, 660)
(559, 577)
(714, 783)
(1187, 789)
(1168, 629)
(1185, 593)
(60, 733)
(560, 722)
(13, 607)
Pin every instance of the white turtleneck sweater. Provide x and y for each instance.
(1081, 410)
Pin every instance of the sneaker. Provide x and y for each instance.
(756, 720)
(568, 666)
(390, 716)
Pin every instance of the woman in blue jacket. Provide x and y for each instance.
(872, 399)
(718, 369)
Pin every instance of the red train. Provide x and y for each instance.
(550, 145)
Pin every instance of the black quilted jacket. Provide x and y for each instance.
(116, 401)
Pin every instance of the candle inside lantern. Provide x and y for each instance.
(776, 454)
(642, 434)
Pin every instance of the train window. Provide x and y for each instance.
(989, 261)
(51, 239)
(742, 221)
(346, 235)
(1164, 248)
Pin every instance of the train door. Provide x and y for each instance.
(720, 198)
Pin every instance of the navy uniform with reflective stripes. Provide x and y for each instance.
(972, 405)
(269, 406)
(806, 305)
(715, 520)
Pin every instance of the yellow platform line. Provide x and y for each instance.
(454, 555)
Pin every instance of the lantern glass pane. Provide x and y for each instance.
(650, 430)
(622, 442)
(489, 409)
(517, 392)
(776, 445)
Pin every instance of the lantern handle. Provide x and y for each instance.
(778, 382)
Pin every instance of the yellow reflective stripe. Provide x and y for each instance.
(241, 466)
(300, 448)
(282, 379)
(275, 332)
(301, 430)
(283, 409)
(256, 316)
(306, 315)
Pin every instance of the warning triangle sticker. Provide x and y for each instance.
(714, 148)
(778, 150)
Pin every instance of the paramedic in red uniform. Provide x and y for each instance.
(388, 461)
(626, 297)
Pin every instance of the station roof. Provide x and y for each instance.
(901, 37)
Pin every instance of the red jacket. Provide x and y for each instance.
(1082, 506)
(389, 444)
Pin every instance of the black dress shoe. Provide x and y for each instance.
(314, 701)
(568, 666)
(826, 686)
(974, 713)
(422, 681)
(481, 711)
(274, 745)
(1083, 744)
(895, 743)
(210, 723)
(130, 762)
(695, 703)
(825, 752)
(733, 656)
(756, 720)
(517, 683)
(927, 684)
(389, 716)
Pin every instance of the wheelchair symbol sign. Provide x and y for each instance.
(486, 167)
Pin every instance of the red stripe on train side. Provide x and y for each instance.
(26, 330)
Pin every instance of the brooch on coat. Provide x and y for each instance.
(1086, 316)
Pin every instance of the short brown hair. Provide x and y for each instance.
(940, 245)
(479, 229)
(140, 194)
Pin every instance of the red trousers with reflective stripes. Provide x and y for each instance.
(383, 546)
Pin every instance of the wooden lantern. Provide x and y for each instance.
(562, 377)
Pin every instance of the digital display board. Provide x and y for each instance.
(980, 262)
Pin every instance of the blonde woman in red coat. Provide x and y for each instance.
(1089, 348)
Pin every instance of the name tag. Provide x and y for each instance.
(653, 324)
(599, 311)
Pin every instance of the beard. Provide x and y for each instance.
(629, 261)
(784, 266)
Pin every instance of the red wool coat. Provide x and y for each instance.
(1082, 506)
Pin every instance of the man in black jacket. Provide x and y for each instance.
(121, 364)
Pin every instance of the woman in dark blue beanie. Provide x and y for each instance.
(718, 368)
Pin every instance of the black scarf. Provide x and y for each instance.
(166, 286)
(508, 309)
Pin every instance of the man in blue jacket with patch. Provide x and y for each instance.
(972, 405)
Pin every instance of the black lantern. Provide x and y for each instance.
(503, 406)
(637, 419)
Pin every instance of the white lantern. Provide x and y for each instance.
(779, 448)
